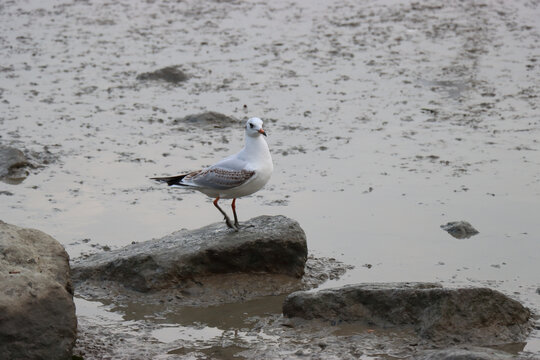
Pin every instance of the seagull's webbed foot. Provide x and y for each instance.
(243, 226)
(234, 226)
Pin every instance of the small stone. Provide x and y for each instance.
(12, 160)
(460, 229)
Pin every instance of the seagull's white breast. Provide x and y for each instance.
(230, 177)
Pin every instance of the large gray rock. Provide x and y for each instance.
(478, 315)
(37, 313)
(212, 255)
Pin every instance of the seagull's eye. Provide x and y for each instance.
(251, 125)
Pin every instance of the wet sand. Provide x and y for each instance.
(385, 121)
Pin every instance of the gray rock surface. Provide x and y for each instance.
(460, 229)
(468, 315)
(37, 313)
(11, 161)
(264, 245)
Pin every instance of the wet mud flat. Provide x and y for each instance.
(126, 324)
(385, 121)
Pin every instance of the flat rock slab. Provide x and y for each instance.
(469, 315)
(37, 313)
(213, 255)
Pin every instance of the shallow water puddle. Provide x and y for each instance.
(171, 333)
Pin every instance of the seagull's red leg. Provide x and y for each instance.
(227, 220)
(234, 212)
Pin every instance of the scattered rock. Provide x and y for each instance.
(15, 164)
(37, 313)
(209, 119)
(266, 257)
(471, 315)
(171, 74)
(460, 229)
(12, 164)
(320, 270)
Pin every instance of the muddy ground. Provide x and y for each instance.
(386, 119)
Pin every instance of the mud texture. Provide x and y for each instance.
(194, 315)
(465, 354)
(208, 120)
(171, 74)
(37, 313)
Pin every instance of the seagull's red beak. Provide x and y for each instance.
(262, 132)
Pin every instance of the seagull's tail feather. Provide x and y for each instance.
(171, 180)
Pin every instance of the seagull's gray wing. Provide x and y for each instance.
(218, 178)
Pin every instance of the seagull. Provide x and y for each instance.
(241, 174)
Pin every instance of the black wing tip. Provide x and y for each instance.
(170, 180)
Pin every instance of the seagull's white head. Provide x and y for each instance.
(254, 127)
